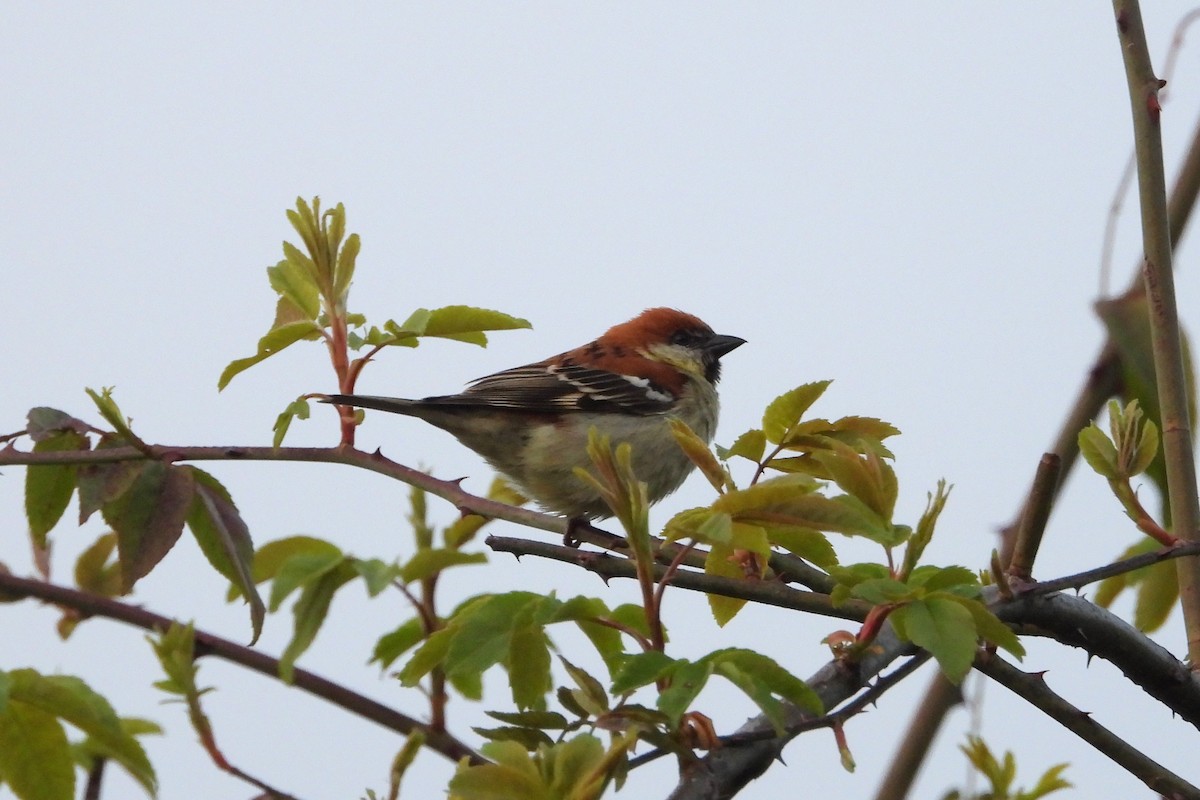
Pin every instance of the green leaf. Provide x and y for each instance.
(48, 487)
(787, 499)
(303, 569)
(807, 543)
(863, 429)
(785, 411)
(43, 422)
(750, 445)
(94, 572)
(100, 484)
(515, 777)
(270, 558)
(528, 664)
(550, 720)
(720, 561)
(641, 669)
(882, 590)
(696, 449)
(584, 612)
(35, 757)
(108, 409)
(935, 578)
(466, 323)
(989, 627)
(1050, 781)
(297, 409)
(1099, 451)
(396, 643)
(275, 340)
(1157, 595)
(944, 628)
(148, 518)
(717, 529)
(687, 680)
(574, 768)
(756, 690)
(485, 631)
(296, 285)
(530, 738)
(376, 573)
(300, 261)
(866, 477)
(309, 612)
(345, 267)
(772, 676)
(863, 521)
(1146, 449)
(426, 563)
(225, 541)
(71, 699)
(935, 503)
(591, 694)
(428, 655)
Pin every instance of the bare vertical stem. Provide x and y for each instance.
(916, 742)
(1034, 517)
(1164, 320)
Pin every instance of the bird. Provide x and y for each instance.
(531, 423)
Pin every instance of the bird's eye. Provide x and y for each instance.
(684, 338)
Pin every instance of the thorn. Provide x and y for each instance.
(1041, 676)
(378, 453)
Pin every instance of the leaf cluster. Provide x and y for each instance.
(145, 503)
(37, 761)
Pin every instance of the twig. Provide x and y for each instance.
(843, 714)
(608, 567)
(1164, 318)
(209, 644)
(374, 462)
(1114, 210)
(1081, 579)
(1033, 688)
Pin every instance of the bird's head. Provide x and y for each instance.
(673, 338)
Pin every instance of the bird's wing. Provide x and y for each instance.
(563, 387)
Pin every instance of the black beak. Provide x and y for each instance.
(720, 344)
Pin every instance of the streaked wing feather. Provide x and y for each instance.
(570, 387)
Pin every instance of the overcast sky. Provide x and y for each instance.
(906, 198)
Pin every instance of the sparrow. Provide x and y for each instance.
(531, 423)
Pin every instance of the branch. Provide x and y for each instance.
(373, 462)
(1164, 317)
(1081, 579)
(725, 771)
(208, 644)
(1080, 623)
(608, 567)
(1033, 688)
(843, 714)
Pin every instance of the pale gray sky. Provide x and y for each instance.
(906, 198)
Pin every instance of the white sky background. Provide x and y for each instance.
(908, 199)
